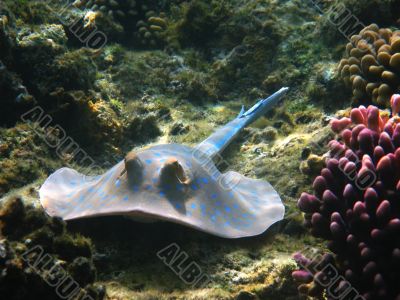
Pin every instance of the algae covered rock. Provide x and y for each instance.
(23, 155)
(14, 95)
(31, 264)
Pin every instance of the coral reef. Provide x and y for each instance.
(150, 31)
(143, 22)
(36, 68)
(217, 56)
(355, 207)
(38, 250)
(372, 64)
(351, 15)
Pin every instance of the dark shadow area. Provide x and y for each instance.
(128, 249)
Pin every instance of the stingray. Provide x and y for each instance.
(176, 183)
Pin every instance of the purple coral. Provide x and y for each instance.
(356, 207)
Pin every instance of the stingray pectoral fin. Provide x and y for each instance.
(260, 205)
(69, 194)
(58, 190)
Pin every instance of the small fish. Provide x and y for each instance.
(176, 183)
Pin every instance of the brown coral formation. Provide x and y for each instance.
(150, 32)
(139, 18)
(372, 64)
(118, 10)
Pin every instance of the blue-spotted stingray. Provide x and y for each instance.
(174, 183)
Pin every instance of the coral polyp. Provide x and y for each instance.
(355, 205)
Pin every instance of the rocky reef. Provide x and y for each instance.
(39, 259)
(169, 71)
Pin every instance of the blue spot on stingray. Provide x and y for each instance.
(217, 212)
(178, 205)
(118, 183)
(148, 161)
(136, 188)
(162, 194)
(125, 198)
(193, 206)
(218, 203)
(162, 160)
(81, 198)
(154, 180)
(112, 197)
(194, 187)
(189, 164)
(236, 206)
(157, 154)
(179, 187)
(203, 210)
(108, 176)
(213, 196)
(205, 180)
(227, 209)
(89, 206)
(72, 183)
(213, 218)
(230, 194)
(148, 187)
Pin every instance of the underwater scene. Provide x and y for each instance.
(199, 149)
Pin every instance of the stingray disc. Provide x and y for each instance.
(167, 182)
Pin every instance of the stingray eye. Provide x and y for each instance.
(172, 171)
(133, 168)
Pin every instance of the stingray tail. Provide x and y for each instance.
(221, 138)
(262, 106)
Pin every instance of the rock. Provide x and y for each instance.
(243, 295)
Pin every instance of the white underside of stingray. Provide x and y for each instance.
(175, 183)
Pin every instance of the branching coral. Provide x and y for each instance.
(356, 206)
(372, 64)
